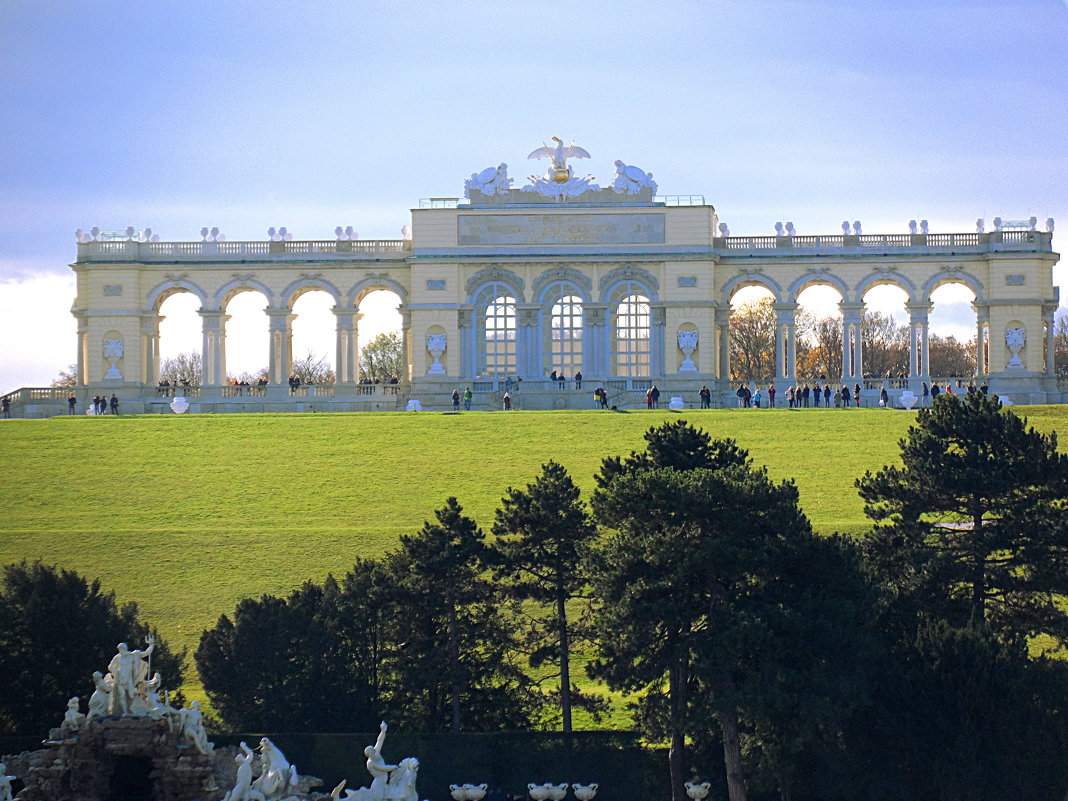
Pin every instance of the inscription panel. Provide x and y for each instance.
(558, 229)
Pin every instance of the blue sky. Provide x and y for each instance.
(177, 115)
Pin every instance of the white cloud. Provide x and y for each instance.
(37, 330)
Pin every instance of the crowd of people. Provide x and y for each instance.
(803, 397)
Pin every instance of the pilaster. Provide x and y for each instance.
(213, 359)
(280, 330)
(347, 359)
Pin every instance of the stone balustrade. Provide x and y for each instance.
(996, 241)
(239, 251)
(343, 249)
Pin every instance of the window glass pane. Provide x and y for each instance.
(495, 321)
(630, 333)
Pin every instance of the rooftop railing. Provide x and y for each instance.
(994, 241)
(231, 251)
(110, 250)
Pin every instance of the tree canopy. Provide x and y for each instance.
(973, 527)
(702, 595)
(57, 628)
(541, 534)
(381, 359)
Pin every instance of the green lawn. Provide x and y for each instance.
(187, 515)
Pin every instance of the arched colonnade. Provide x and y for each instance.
(280, 315)
(491, 294)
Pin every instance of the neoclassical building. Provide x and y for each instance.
(563, 275)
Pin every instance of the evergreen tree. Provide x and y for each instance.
(962, 714)
(677, 581)
(973, 527)
(56, 629)
(282, 664)
(678, 446)
(540, 535)
(715, 598)
(455, 669)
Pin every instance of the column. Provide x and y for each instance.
(982, 320)
(1049, 312)
(596, 361)
(925, 352)
(723, 333)
(657, 323)
(852, 351)
(919, 369)
(150, 348)
(468, 359)
(528, 342)
(213, 358)
(785, 345)
(347, 359)
(280, 330)
(83, 348)
(406, 341)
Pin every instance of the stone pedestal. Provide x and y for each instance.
(108, 752)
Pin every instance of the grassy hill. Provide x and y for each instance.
(187, 515)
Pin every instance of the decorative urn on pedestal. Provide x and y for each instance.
(688, 344)
(435, 343)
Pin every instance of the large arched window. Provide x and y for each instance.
(630, 332)
(563, 351)
(495, 323)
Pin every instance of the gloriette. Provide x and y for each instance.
(563, 275)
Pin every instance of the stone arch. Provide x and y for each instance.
(226, 292)
(563, 273)
(308, 284)
(950, 275)
(370, 284)
(887, 276)
(495, 274)
(817, 277)
(751, 277)
(171, 286)
(628, 272)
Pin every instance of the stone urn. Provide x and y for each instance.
(697, 791)
(538, 792)
(677, 404)
(584, 792)
(687, 344)
(458, 792)
(907, 400)
(435, 343)
(557, 791)
(179, 405)
(475, 792)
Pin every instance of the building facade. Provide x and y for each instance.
(504, 288)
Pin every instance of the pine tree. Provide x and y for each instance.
(540, 535)
(973, 527)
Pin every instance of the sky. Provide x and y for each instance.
(242, 115)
